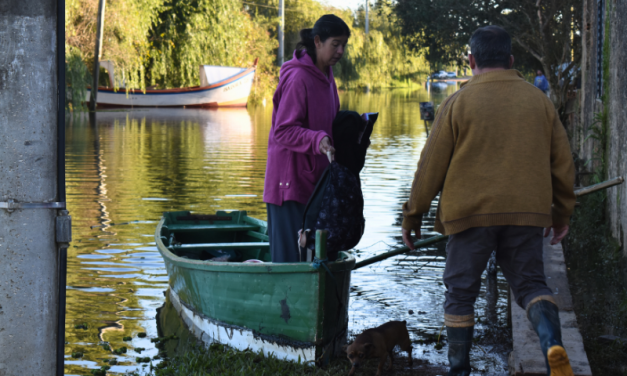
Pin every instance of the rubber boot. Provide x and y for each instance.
(459, 343)
(544, 316)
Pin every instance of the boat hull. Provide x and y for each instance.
(232, 92)
(296, 311)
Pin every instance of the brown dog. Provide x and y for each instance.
(379, 343)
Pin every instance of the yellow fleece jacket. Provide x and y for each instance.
(499, 155)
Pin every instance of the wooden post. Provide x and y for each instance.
(97, 53)
(321, 244)
(281, 56)
(367, 21)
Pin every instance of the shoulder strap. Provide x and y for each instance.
(319, 187)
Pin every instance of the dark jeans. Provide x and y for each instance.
(518, 253)
(283, 224)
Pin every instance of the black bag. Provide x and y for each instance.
(336, 205)
(351, 138)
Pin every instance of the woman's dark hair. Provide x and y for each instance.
(327, 26)
(491, 46)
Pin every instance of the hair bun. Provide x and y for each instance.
(306, 34)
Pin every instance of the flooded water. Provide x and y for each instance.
(127, 168)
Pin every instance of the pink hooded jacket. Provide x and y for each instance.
(305, 104)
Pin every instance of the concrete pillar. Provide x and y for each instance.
(28, 173)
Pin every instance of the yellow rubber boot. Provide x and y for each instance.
(558, 361)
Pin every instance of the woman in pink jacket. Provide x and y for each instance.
(305, 104)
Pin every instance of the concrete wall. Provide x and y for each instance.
(616, 96)
(28, 132)
(617, 144)
(589, 103)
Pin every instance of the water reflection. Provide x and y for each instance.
(125, 168)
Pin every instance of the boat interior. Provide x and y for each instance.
(222, 237)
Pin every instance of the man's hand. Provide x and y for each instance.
(407, 238)
(559, 232)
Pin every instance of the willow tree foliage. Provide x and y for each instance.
(299, 14)
(381, 58)
(125, 38)
(190, 33)
(162, 43)
(77, 78)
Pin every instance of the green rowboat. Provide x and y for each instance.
(226, 289)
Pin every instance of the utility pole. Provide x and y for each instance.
(367, 21)
(33, 225)
(97, 54)
(281, 57)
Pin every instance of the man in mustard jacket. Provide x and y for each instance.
(500, 157)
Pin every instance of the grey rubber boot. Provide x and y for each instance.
(459, 343)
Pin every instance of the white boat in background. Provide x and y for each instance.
(219, 87)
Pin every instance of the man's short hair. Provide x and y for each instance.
(491, 47)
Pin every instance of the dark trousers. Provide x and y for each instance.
(283, 224)
(518, 253)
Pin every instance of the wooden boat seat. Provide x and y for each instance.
(205, 227)
(258, 235)
(244, 245)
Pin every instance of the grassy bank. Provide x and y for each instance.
(597, 272)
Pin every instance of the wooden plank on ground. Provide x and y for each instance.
(527, 358)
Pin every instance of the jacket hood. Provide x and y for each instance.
(302, 60)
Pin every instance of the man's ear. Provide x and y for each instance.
(511, 61)
(471, 61)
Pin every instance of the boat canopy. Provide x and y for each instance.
(211, 74)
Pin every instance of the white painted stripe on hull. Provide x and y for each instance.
(240, 339)
(229, 94)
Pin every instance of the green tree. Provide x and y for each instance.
(190, 33)
(125, 38)
(546, 30)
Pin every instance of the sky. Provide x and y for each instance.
(352, 4)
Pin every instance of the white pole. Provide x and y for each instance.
(97, 55)
(367, 21)
(281, 53)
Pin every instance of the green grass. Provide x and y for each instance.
(598, 279)
(222, 360)
(183, 356)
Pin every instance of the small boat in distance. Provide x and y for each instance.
(219, 87)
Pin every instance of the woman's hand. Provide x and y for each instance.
(327, 148)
